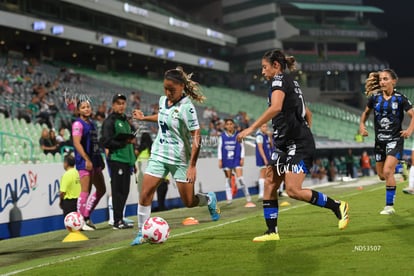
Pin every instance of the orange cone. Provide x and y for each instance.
(190, 221)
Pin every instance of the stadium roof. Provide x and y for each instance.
(334, 7)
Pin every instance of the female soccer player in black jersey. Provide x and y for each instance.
(294, 143)
(389, 106)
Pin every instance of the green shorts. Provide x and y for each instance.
(161, 170)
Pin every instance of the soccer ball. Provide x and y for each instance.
(74, 221)
(155, 230)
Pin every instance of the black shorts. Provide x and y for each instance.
(394, 148)
(69, 205)
(299, 157)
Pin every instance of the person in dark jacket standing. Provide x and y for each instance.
(118, 140)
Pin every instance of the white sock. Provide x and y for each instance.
(110, 209)
(245, 189)
(411, 177)
(229, 195)
(261, 187)
(144, 212)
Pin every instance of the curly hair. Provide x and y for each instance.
(288, 62)
(372, 82)
(191, 88)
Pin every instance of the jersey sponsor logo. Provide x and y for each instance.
(383, 137)
(165, 141)
(277, 83)
(175, 114)
(193, 123)
(385, 123)
(390, 146)
(229, 147)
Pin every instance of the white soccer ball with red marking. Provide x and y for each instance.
(156, 230)
(74, 221)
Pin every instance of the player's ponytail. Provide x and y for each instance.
(372, 83)
(288, 62)
(191, 88)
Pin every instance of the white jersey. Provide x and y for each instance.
(173, 142)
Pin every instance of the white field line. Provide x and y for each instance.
(172, 236)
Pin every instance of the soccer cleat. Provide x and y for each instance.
(267, 236)
(212, 206)
(121, 225)
(408, 190)
(90, 223)
(139, 239)
(86, 227)
(388, 210)
(129, 222)
(250, 205)
(343, 221)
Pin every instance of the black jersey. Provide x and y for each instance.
(388, 114)
(292, 116)
(290, 129)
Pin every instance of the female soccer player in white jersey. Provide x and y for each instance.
(175, 149)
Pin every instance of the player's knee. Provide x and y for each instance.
(293, 193)
(387, 173)
(381, 176)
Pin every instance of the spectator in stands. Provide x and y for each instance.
(389, 105)
(135, 100)
(349, 161)
(70, 103)
(203, 130)
(318, 172)
(15, 76)
(102, 110)
(212, 131)
(61, 138)
(332, 171)
(39, 90)
(99, 119)
(242, 120)
(47, 112)
(52, 136)
(6, 87)
(46, 143)
(207, 113)
(365, 163)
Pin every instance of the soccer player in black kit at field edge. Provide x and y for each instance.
(389, 106)
(294, 142)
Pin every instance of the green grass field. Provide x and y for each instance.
(310, 244)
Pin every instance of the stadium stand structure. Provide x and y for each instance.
(334, 127)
